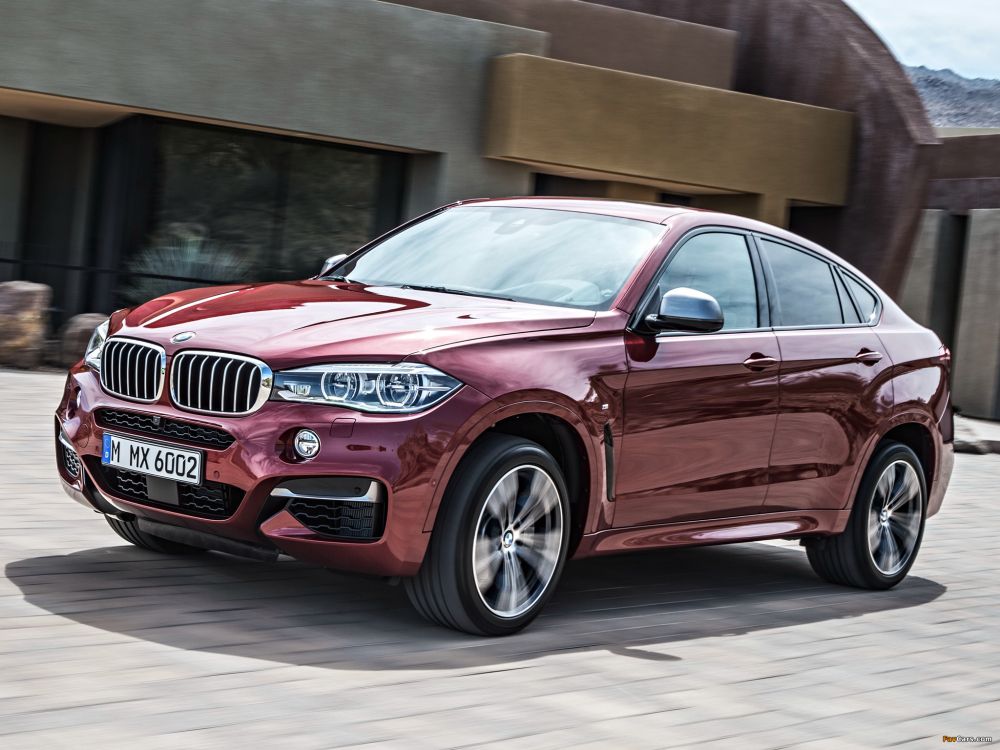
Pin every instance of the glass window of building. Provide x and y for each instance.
(236, 206)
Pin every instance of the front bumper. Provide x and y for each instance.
(406, 454)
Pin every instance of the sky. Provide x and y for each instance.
(963, 35)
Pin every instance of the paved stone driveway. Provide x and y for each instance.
(103, 645)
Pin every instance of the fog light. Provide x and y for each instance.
(306, 443)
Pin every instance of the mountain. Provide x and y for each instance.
(953, 101)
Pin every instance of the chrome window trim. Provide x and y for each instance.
(264, 392)
(105, 376)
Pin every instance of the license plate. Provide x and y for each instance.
(154, 459)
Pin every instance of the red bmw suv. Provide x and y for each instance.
(497, 386)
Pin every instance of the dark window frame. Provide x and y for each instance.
(649, 299)
(836, 271)
(876, 315)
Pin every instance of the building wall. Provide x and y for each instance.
(569, 118)
(966, 174)
(354, 70)
(820, 52)
(932, 280)
(14, 150)
(952, 284)
(593, 34)
(976, 377)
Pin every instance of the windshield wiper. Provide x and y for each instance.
(449, 290)
(336, 278)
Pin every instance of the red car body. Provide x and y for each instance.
(665, 442)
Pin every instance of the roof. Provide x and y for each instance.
(653, 212)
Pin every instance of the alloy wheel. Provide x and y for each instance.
(894, 518)
(518, 541)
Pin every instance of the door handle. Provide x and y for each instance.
(758, 362)
(868, 357)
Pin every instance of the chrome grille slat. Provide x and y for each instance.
(136, 351)
(211, 384)
(190, 378)
(132, 369)
(225, 372)
(119, 362)
(201, 382)
(219, 383)
(150, 379)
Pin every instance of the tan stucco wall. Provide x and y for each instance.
(581, 120)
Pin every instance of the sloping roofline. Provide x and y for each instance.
(659, 213)
(656, 213)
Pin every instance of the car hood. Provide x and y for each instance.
(313, 320)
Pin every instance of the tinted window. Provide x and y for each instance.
(717, 264)
(806, 292)
(865, 299)
(529, 254)
(847, 308)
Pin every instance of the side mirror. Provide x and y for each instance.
(689, 310)
(332, 262)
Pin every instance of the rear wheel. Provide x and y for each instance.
(883, 534)
(500, 540)
(130, 532)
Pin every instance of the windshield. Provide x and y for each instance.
(524, 254)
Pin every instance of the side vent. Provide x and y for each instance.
(609, 461)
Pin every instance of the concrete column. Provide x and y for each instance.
(916, 294)
(976, 377)
(930, 288)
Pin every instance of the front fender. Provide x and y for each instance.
(551, 404)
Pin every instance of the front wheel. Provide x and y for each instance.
(500, 541)
(883, 534)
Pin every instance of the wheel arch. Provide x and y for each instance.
(914, 429)
(918, 438)
(563, 432)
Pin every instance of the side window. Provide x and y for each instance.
(719, 264)
(807, 294)
(867, 301)
(847, 308)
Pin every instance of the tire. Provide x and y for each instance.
(878, 547)
(130, 532)
(488, 576)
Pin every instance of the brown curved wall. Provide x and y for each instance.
(821, 53)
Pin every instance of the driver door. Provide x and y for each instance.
(700, 409)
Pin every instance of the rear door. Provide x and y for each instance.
(833, 377)
(700, 409)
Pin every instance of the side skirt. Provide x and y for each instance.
(715, 531)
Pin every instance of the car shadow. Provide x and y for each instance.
(635, 605)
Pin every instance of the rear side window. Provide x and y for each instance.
(719, 264)
(847, 308)
(805, 287)
(867, 301)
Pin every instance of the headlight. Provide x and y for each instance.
(95, 347)
(401, 388)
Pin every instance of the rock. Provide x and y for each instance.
(24, 318)
(74, 336)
